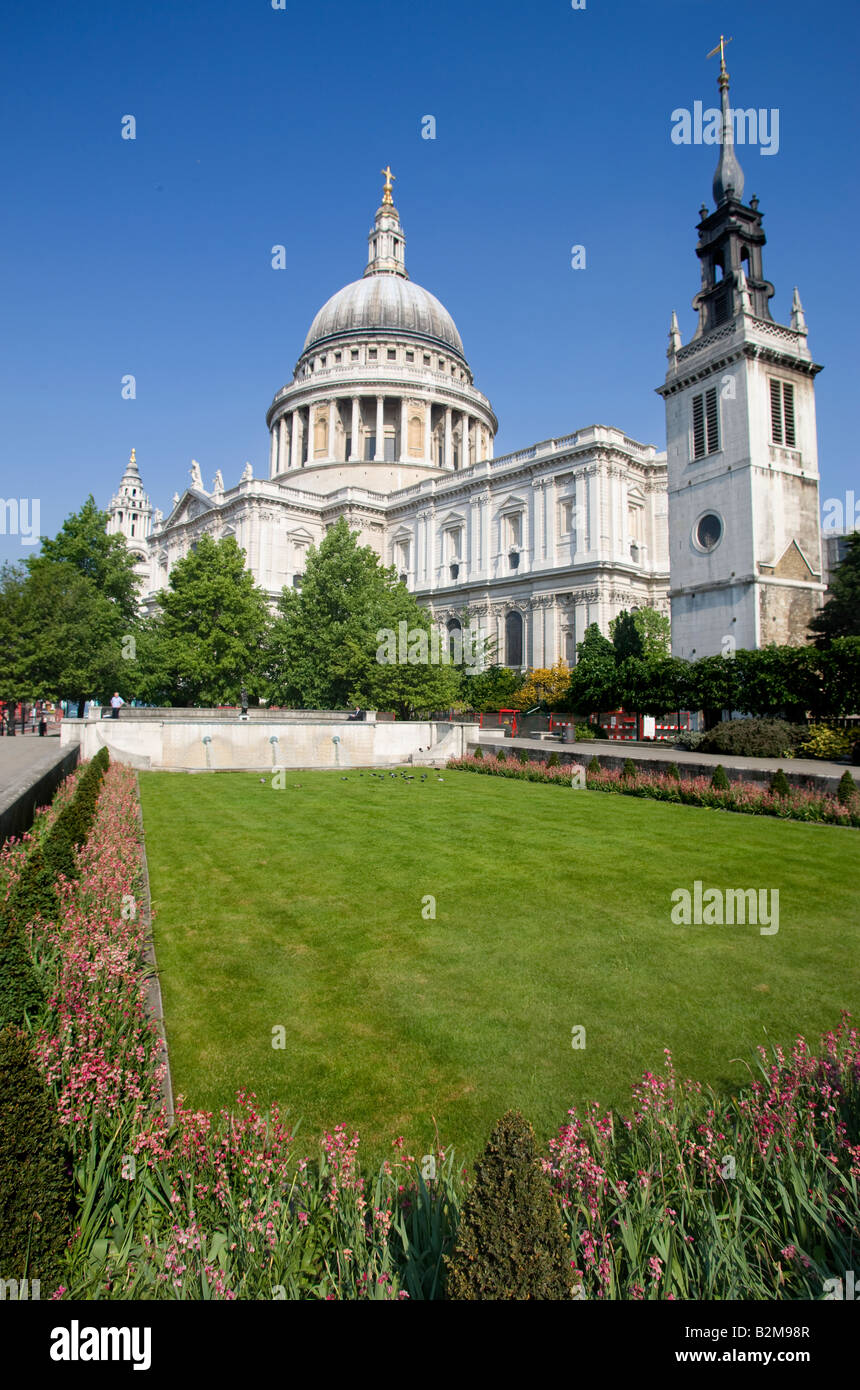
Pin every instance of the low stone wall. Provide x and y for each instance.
(265, 744)
(32, 787)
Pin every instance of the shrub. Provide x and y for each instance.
(629, 769)
(35, 1187)
(754, 738)
(502, 756)
(553, 760)
(585, 733)
(779, 784)
(847, 790)
(855, 754)
(522, 757)
(824, 742)
(21, 993)
(673, 772)
(599, 731)
(511, 1241)
(479, 752)
(593, 767)
(719, 780)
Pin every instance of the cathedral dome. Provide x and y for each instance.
(385, 303)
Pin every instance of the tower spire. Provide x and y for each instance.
(729, 176)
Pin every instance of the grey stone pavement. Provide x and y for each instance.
(23, 760)
(803, 767)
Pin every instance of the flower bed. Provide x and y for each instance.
(691, 1196)
(747, 797)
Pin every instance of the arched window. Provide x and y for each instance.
(514, 639)
(455, 639)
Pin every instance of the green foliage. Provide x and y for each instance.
(753, 738)
(847, 791)
(593, 767)
(479, 752)
(328, 646)
(553, 760)
(644, 633)
(840, 616)
(779, 784)
(511, 1242)
(489, 690)
(719, 780)
(522, 756)
(626, 637)
(584, 733)
(820, 741)
(214, 621)
(35, 1187)
(629, 768)
(673, 771)
(502, 756)
(105, 561)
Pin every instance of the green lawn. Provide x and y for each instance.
(303, 908)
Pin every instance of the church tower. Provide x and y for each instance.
(130, 514)
(744, 533)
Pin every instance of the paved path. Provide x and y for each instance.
(803, 767)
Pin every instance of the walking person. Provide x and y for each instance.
(116, 703)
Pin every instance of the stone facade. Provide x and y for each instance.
(382, 424)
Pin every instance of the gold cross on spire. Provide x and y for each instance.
(386, 195)
(721, 49)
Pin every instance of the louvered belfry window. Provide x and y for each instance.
(706, 424)
(782, 413)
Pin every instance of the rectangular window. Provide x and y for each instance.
(410, 356)
(782, 413)
(353, 352)
(392, 354)
(389, 448)
(706, 426)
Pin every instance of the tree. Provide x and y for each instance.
(82, 541)
(594, 678)
(71, 636)
(354, 634)
(840, 616)
(626, 637)
(544, 685)
(491, 689)
(214, 621)
(714, 686)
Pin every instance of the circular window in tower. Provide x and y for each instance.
(708, 532)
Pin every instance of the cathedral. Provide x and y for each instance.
(382, 423)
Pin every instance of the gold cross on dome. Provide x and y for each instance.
(386, 196)
(721, 49)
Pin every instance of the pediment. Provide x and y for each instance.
(793, 564)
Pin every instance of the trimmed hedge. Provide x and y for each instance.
(35, 1184)
(34, 895)
(511, 1241)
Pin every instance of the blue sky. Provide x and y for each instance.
(258, 127)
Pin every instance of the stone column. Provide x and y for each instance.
(310, 438)
(273, 452)
(332, 412)
(464, 461)
(404, 430)
(283, 446)
(448, 445)
(354, 455)
(428, 432)
(379, 455)
(295, 434)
